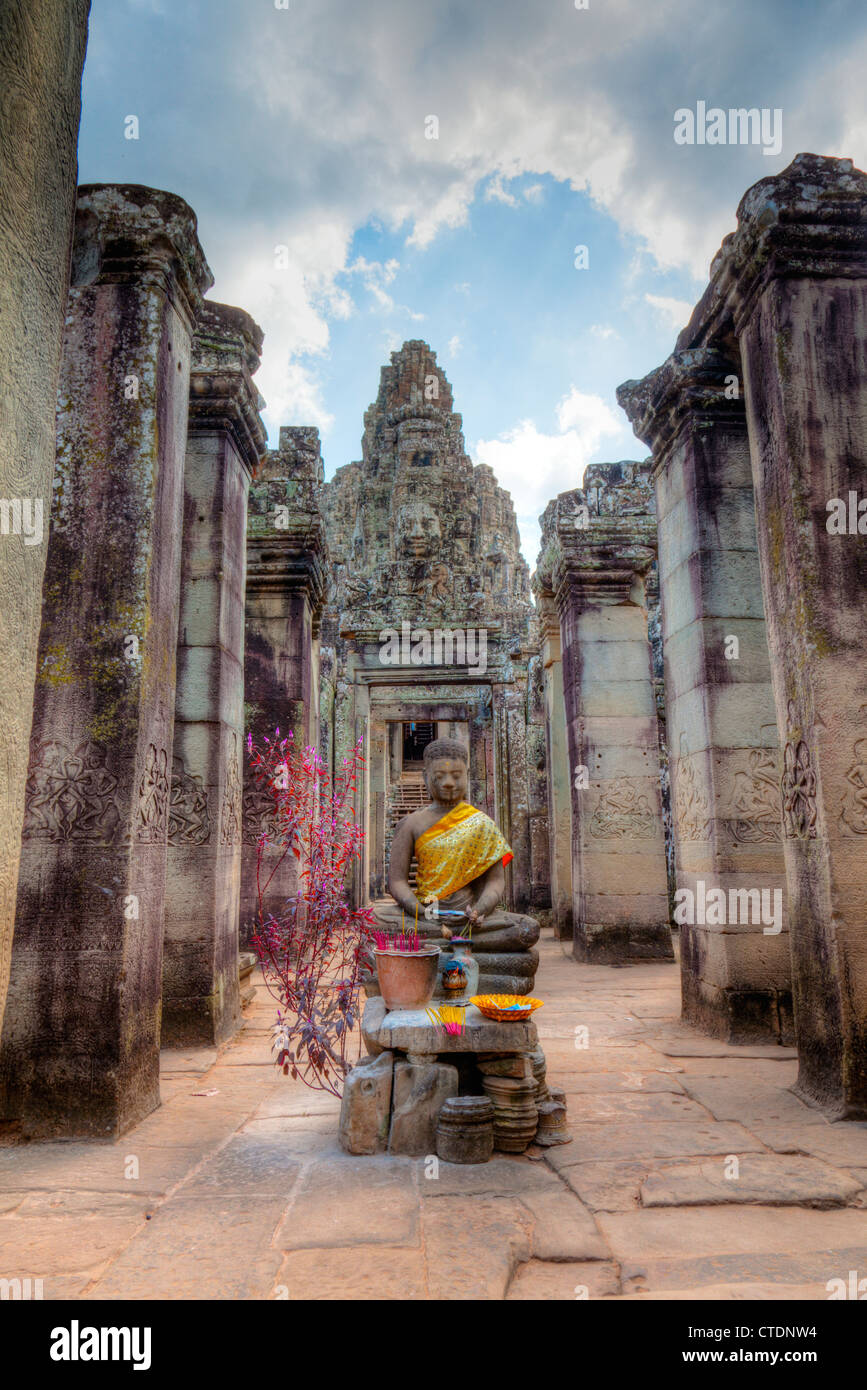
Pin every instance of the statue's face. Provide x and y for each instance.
(446, 780)
(418, 530)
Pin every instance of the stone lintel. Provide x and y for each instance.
(687, 391)
(291, 563)
(226, 352)
(600, 563)
(808, 221)
(129, 233)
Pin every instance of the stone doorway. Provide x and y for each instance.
(416, 736)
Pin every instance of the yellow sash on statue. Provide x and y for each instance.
(456, 850)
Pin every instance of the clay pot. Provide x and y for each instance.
(407, 979)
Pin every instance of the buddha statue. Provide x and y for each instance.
(461, 858)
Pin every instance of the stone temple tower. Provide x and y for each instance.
(424, 541)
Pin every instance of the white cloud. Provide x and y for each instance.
(603, 330)
(534, 467)
(454, 346)
(675, 312)
(320, 130)
(496, 192)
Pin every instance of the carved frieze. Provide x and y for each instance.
(853, 817)
(622, 813)
(230, 815)
(798, 784)
(71, 794)
(189, 817)
(151, 822)
(691, 805)
(753, 813)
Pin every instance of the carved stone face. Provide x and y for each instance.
(446, 780)
(418, 530)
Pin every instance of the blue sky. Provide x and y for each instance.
(305, 127)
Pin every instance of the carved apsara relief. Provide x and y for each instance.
(71, 794)
(189, 817)
(153, 798)
(753, 814)
(259, 814)
(231, 813)
(622, 812)
(691, 805)
(853, 816)
(798, 784)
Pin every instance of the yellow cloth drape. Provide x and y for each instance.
(460, 847)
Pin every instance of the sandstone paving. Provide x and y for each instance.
(540, 1280)
(577, 1083)
(623, 1138)
(473, 1246)
(654, 1105)
(363, 1272)
(236, 1187)
(750, 1102)
(343, 1202)
(841, 1143)
(612, 1185)
(759, 1178)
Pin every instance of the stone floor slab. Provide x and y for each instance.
(750, 1101)
(199, 1248)
(616, 1083)
(651, 1139)
(711, 1231)
(472, 1246)
(562, 1228)
(362, 1273)
(757, 1178)
(639, 1106)
(539, 1282)
(608, 1186)
(353, 1201)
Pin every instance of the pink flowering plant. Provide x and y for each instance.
(313, 952)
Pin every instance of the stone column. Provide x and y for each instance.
(557, 754)
(721, 722)
(794, 276)
(618, 866)
(81, 1037)
(286, 577)
(41, 55)
(537, 789)
(225, 440)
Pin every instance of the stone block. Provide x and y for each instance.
(419, 1093)
(364, 1111)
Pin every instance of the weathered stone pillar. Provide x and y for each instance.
(618, 865)
(721, 721)
(286, 578)
(794, 277)
(537, 789)
(557, 755)
(225, 440)
(81, 1037)
(41, 56)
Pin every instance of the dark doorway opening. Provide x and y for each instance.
(416, 737)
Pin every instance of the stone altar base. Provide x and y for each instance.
(392, 1100)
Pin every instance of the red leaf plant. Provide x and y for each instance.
(313, 953)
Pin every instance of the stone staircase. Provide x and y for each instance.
(407, 795)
